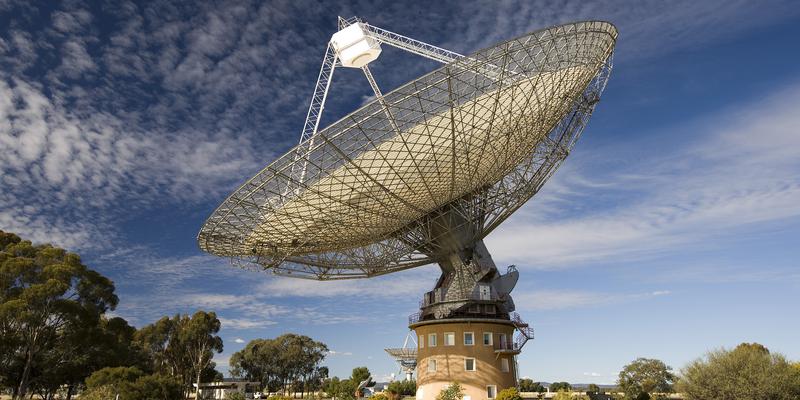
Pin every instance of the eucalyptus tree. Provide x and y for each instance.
(276, 363)
(182, 346)
(645, 376)
(46, 295)
(200, 341)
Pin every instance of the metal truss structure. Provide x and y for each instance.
(406, 356)
(424, 172)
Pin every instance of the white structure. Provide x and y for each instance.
(220, 390)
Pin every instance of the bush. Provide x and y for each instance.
(569, 395)
(153, 387)
(528, 385)
(113, 377)
(99, 393)
(379, 396)
(452, 392)
(235, 396)
(403, 388)
(749, 371)
(509, 394)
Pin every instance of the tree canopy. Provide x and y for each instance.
(645, 376)
(528, 385)
(277, 363)
(54, 332)
(556, 386)
(749, 371)
(130, 383)
(50, 303)
(182, 346)
(402, 388)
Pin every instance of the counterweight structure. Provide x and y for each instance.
(423, 173)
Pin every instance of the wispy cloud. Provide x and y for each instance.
(177, 104)
(744, 172)
(556, 299)
(245, 323)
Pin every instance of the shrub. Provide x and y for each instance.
(113, 377)
(749, 371)
(99, 393)
(235, 396)
(403, 388)
(509, 394)
(452, 392)
(153, 387)
(379, 396)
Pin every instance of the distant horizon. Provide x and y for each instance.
(670, 230)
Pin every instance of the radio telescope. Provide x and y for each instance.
(421, 175)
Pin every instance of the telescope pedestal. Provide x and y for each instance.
(481, 368)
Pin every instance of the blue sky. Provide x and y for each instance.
(672, 229)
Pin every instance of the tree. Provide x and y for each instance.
(452, 392)
(645, 376)
(749, 371)
(47, 296)
(153, 387)
(131, 384)
(340, 389)
(276, 363)
(360, 374)
(200, 339)
(528, 385)
(402, 388)
(557, 386)
(592, 388)
(182, 346)
(509, 394)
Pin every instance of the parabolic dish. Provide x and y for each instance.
(481, 135)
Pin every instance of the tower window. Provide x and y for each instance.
(431, 365)
(491, 391)
(432, 340)
(449, 339)
(487, 339)
(469, 338)
(469, 364)
(504, 364)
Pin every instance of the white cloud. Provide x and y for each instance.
(743, 173)
(556, 299)
(339, 353)
(238, 340)
(244, 323)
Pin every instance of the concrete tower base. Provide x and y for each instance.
(478, 353)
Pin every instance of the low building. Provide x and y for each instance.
(220, 389)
